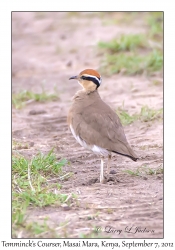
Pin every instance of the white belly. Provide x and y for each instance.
(94, 148)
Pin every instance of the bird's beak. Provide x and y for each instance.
(73, 77)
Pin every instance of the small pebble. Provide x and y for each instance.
(145, 178)
(63, 37)
(69, 64)
(37, 112)
(112, 172)
(65, 207)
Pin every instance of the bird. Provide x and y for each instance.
(94, 124)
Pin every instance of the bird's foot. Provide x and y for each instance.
(103, 179)
(108, 177)
(111, 177)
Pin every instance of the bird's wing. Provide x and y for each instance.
(100, 126)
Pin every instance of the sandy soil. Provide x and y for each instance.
(47, 49)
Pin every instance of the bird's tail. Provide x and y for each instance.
(134, 158)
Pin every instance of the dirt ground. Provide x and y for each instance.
(48, 48)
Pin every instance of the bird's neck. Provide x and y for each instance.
(83, 94)
(90, 92)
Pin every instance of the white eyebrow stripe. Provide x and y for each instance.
(99, 80)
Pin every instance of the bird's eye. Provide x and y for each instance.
(83, 77)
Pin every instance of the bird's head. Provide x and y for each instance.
(89, 79)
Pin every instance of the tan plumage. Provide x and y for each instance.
(94, 124)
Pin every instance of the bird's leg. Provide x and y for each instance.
(101, 170)
(108, 165)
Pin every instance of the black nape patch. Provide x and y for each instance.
(92, 79)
